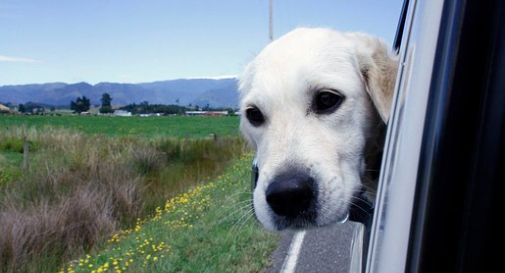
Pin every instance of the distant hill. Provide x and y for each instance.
(215, 92)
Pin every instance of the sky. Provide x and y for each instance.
(148, 40)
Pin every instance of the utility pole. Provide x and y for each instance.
(271, 20)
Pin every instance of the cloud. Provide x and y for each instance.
(10, 59)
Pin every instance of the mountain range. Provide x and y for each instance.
(203, 91)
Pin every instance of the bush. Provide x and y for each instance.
(15, 145)
(11, 145)
(7, 175)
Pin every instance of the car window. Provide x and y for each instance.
(392, 219)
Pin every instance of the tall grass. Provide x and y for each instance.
(80, 188)
(210, 228)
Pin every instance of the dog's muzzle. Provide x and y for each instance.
(279, 197)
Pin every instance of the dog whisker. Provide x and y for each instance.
(241, 221)
(229, 210)
(359, 199)
(358, 206)
(235, 213)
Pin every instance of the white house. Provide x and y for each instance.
(206, 113)
(4, 109)
(122, 113)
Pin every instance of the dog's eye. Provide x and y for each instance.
(327, 101)
(254, 116)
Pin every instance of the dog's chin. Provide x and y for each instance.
(305, 221)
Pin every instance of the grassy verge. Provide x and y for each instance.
(208, 229)
(80, 188)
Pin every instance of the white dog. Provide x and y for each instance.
(313, 104)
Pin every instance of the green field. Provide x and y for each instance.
(170, 126)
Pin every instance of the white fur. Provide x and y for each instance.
(281, 81)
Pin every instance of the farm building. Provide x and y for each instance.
(4, 109)
(151, 115)
(206, 113)
(122, 113)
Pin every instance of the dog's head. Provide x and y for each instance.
(310, 102)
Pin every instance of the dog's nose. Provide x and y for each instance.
(290, 194)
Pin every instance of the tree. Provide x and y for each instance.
(80, 104)
(106, 104)
(21, 108)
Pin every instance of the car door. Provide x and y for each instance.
(437, 206)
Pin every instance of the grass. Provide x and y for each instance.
(208, 229)
(80, 188)
(171, 126)
(9, 166)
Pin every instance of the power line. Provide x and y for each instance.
(271, 20)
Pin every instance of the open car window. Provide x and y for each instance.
(438, 193)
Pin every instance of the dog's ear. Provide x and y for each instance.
(378, 69)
